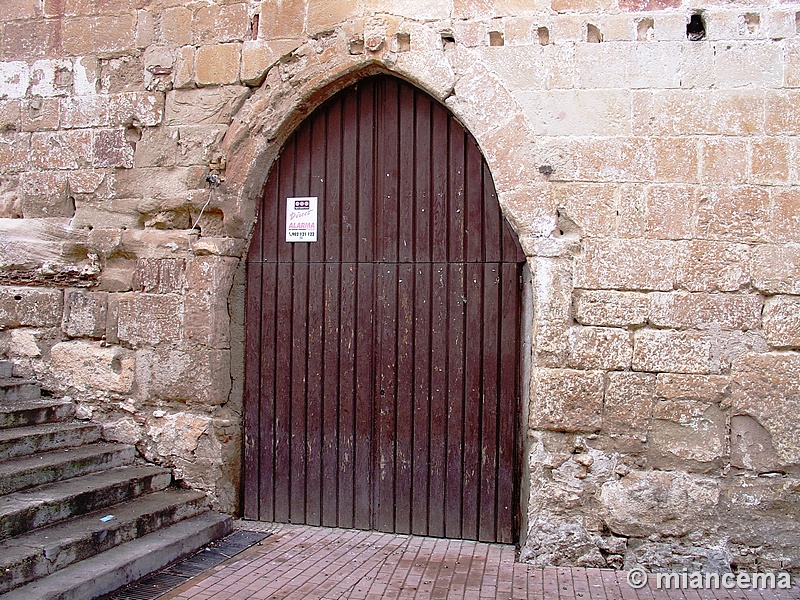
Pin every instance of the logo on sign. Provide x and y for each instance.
(301, 219)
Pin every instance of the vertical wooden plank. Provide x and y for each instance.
(405, 183)
(299, 393)
(330, 394)
(455, 196)
(286, 189)
(493, 220)
(386, 393)
(267, 226)
(331, 225)
(387, 171)
(473, 374)
(302, 181)
(455, 400)
(474, 202)
(507, 402)
(491, 321)
(252, 378)
(406, 351)
(422, 179)
(283, 389)
(267, 322)
(314, 397)
(439, 401)
(420, 478)
(348, 320)
(366, 170)
(349, 176)
(439, 171)
(317, 181)
(364, 389)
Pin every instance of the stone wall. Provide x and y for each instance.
(650, 171)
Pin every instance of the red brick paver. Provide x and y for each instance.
(320, 563)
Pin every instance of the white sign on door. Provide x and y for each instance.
(301, 219)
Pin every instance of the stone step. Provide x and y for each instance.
(106, 572)
(18, 388)
(23, 441)
(6, 369)
(29, 471)
(44, 505)
(44, 551)
(24, 413)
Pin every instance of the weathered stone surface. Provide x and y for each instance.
(776, 268)
(209, 280)
(567, 400)
(217, 64)
(782, 321)
(675, 557)
(150, 319)
(85, 313)
(708, 266)
(680, 310)
(686, 431)
(627, 265)
(160, 276)
(93, 366)
(628, 403)
(700, 388)
(769, 391)
(751, 445)
(206, 105)
(610, 309)
(189, 375)
(600, 348)
(30, 307)
(672, 351)
(646, 503)
(552, 285)
(561, 543)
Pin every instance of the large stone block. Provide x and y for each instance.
(698, 388)
(217, 64)
(31, 39)
(734, 213)
(671, 211)
(142, 109)
(215, 23)
(628, 404)
(84, 313)
(687, 434)
(628, 264)
(710, 112)
(30, 307)
(282, 19)
(785, 224)
(150, 319)
(44, 194)
(99, 34)
(782, 321)
(673, 351)
(112, 149)
(776, 268)
(567, 400)
(660, 503)
(600, 348)
(160, 275)
(782, 112)
(204, 106)
(209, 280)
(707, 266)
(94, 366)
(770, 162)
(751, 445)
(604, 308)
(70, 149)
(681, 310)
(768, 390)
(188, 375)
(577, 112)
(723, 160)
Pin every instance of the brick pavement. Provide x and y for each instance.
(299, 562)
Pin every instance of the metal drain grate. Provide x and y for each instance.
(153, 586)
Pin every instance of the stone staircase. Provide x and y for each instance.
(80, 517)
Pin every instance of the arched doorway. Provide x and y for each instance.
(382, 383)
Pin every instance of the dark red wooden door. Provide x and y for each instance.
(382, 360)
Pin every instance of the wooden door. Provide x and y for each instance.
(382, 361)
